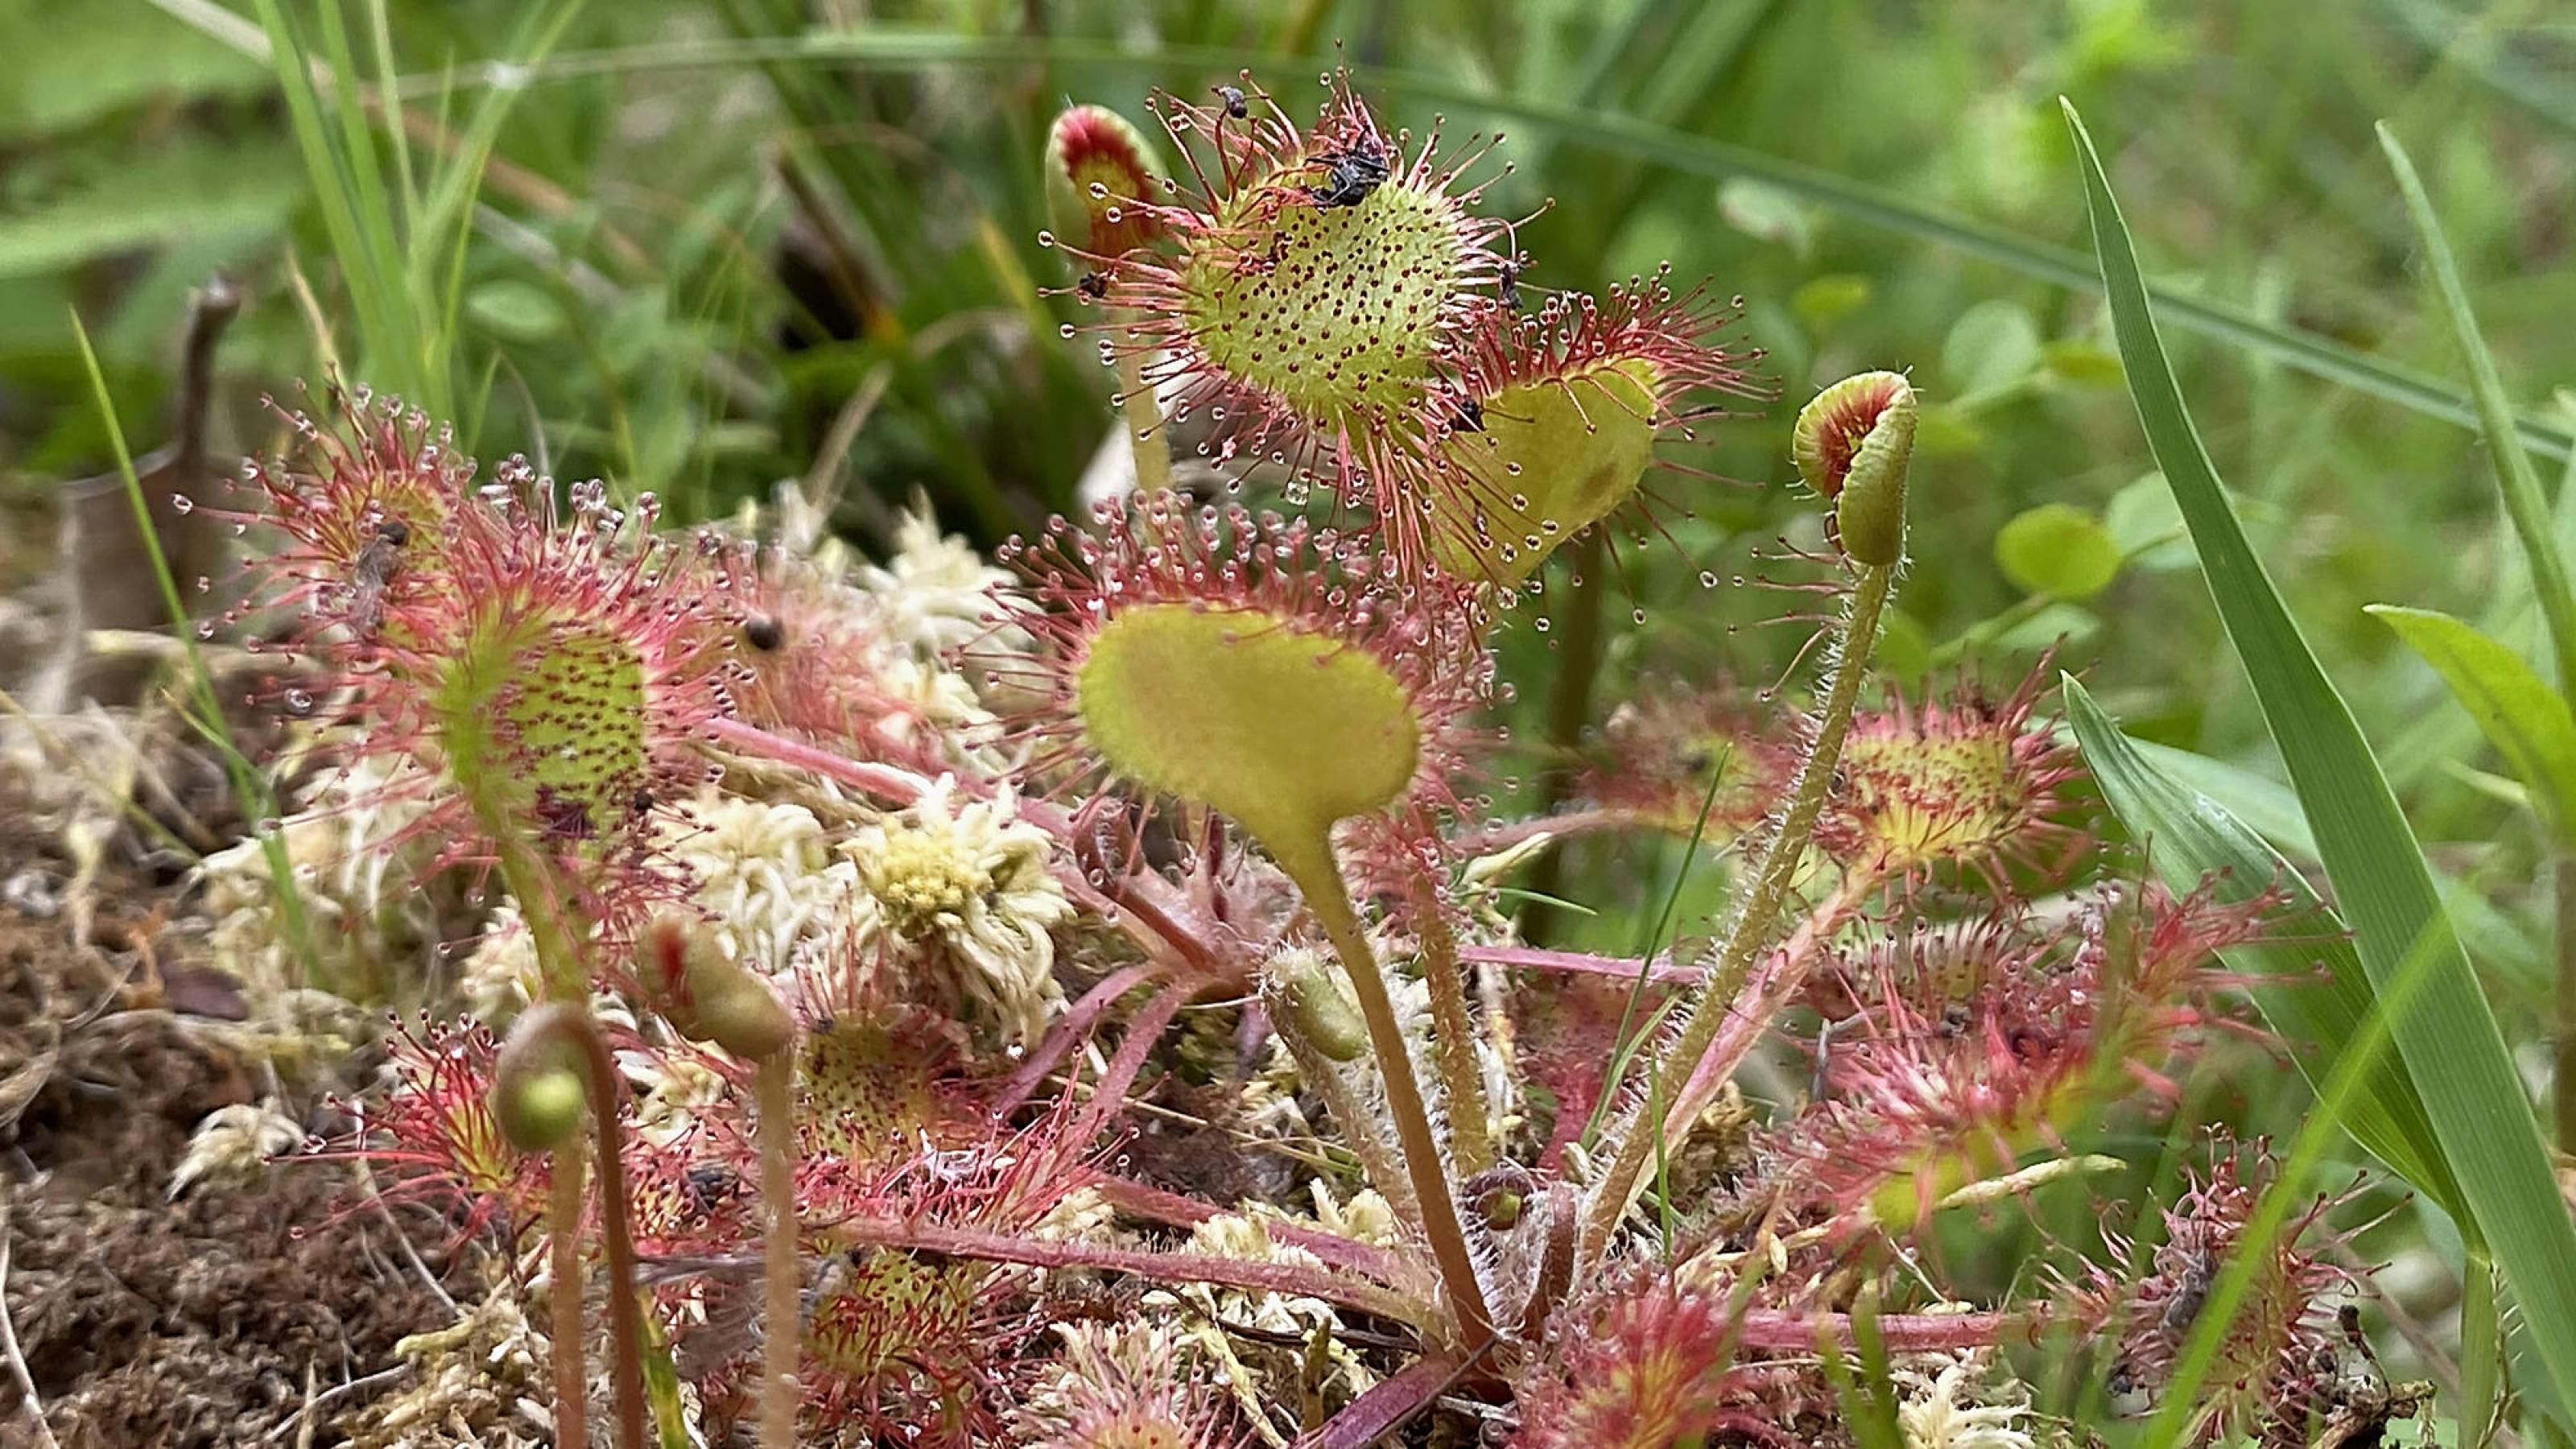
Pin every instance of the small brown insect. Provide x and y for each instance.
(764, 633)
(1232, 98)
(373, 570)
(1093, 285)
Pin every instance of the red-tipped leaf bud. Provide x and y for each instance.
(1853, 444)
(1102, 178)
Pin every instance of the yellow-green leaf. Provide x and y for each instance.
(2526, 720)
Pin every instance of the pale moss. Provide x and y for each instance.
(232, 1147)
(963, 892)
(1953, 1402)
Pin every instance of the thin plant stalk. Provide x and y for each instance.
(1453, 1039)
(781, 1281)
(1144, 415)
(1319, 880)
(2563, 881)
(617, 1237)
(560, 974)
(563, 1306)
(2516, 480)
(1751, 929)
(1778, 981)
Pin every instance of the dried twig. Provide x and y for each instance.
(336, 1391)
(9, 1340)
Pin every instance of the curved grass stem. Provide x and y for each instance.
(1645, 1131)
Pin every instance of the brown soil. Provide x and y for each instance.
(143, 1320)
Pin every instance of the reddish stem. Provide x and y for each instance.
(1143, 1029)
(1382, 1410)
(1067, 1032)
(883, 781)
(1339, 1288)
(1173, 1210)
(1623, 968)
(1775, 1330)
(625, 1314)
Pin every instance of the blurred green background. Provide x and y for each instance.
(718, 244)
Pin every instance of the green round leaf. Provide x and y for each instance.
(2059, 550)
(1991, 345)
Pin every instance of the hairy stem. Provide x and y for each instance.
(563, 1306)
(1767, 992)
(1453, 1037)
(781, 1281)
(1319, 880)
(560, 973)
(1144, 414)
(625, 1314)
(1754, 921)
(1379, 1163)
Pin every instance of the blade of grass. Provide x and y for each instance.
(207, 715)
(351, 212)
(2191, 837)
(2449, 1039)
(2515, 477)
(2526, 720)
(895, 48)
(2256, 1242)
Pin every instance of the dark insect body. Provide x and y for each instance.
(374, 569)
(1351, 176)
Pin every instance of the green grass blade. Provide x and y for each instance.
(205, 712)
(2189, 838)
(2252, 1254)
(2515, 476)
(356, 214)
(894, 48)
(2526, 720)
(2448, 1037)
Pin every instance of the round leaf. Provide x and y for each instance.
(2059, 550)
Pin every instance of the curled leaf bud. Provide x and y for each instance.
(707, 998)
(1101, 178)
(1312, 1002)
(537, 1088)
(1852, 445)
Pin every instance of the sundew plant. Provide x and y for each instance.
(1080, 996)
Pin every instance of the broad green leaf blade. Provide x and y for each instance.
(2447, 1036)
(2522, 717)
(2515, 476)
(2190, 838)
